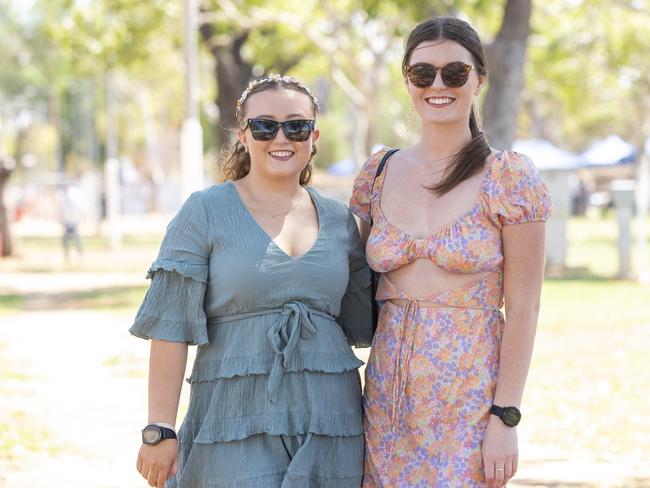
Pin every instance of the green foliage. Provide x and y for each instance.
(587, 73)
(586, 70)
(104, 35)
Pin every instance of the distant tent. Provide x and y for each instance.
(609, 152)
(546, 155)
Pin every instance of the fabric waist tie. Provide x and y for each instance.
(295, 322)
(410, 310)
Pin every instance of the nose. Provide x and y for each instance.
(280, 137)
(437, 81)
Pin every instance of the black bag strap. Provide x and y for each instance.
(380, 168)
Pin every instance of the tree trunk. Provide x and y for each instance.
(506, 60)
(5, 236)
(232, 74)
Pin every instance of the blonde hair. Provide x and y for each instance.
(235, 162)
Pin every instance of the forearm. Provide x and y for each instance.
(516, 352)
(167, 361)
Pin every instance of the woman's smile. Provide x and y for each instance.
(281, 155)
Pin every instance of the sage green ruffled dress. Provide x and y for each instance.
(275, 393)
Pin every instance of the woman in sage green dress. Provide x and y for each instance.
(269, 279)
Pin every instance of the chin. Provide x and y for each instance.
(284, 174)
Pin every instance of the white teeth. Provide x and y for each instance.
(281, 154)
(439, 100)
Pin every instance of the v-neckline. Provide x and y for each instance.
(249, 215)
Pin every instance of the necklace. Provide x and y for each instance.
(263, 208)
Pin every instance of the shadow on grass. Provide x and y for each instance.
(118, 298)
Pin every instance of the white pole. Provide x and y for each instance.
(191, 150)
(642, 204)
(112, 191)
(623, 194)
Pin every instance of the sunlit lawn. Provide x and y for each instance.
(589, 387)
(18, 431)
(42, 254)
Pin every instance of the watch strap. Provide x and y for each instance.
(164, 424)
(496, 410)
(167, 433)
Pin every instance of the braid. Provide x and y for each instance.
(270, 82)
(235, 161)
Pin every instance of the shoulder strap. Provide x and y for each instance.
(380, 168)
(382, 163)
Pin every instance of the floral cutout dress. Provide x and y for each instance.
(432, 372)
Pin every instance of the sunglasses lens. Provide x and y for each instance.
(455, 75)
(262, 129)
(422, 75)
(298, 130)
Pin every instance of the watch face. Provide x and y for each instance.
(511, 416)
(151, 435)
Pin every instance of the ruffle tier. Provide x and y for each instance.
(172, 309)
(308, 402)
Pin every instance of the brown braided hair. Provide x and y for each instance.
(235, 162)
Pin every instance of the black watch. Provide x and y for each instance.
(152, 434)
(508, 415)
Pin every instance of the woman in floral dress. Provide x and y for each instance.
(455, 228)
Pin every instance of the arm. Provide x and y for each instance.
(167, 361)
(356, 316)
(172, 316)
(523, 249)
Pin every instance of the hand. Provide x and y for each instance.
(158, 463)
(500, 453)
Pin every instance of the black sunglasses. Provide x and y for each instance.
(297, 130)
(454, 75)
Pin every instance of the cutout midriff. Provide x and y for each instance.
(422, 278)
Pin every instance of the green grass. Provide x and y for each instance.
(19, 433)
(602, 305)
(10, 303)
(43, 254)
(8, 371)
(115, 299)
(588, 388)
(127, 365)
(95, 243)
(593, 244)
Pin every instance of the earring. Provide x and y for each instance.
(409, 114)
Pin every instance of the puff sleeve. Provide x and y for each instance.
(362, 188)
(172, 309)
(355, 317)
(516, 192)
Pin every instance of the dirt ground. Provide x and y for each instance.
(73, 397)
